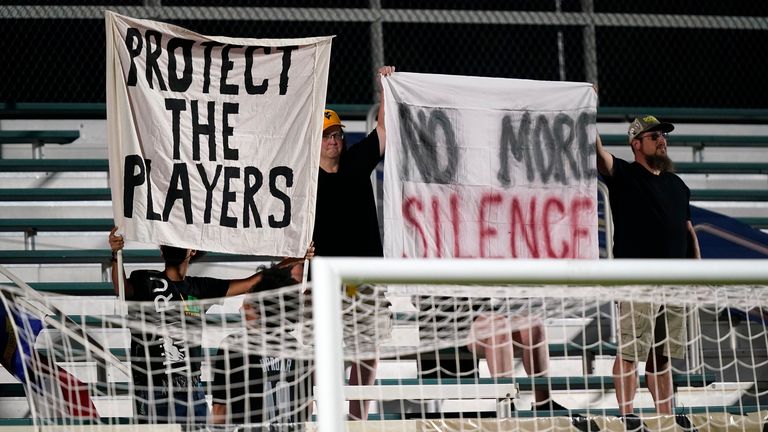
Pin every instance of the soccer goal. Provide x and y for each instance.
(414, 345)
(568, 309)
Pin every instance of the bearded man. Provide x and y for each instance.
(652, 219)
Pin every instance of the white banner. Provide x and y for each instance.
(489, 167)
(214, 141)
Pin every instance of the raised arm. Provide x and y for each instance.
(242, 286)
(117, 243)
(381, 129)
(604, 159)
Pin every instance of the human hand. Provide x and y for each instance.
(116, 242)
(310, 251)
(384, 71)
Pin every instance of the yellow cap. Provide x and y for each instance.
(330, 118)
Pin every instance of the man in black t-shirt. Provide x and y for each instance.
(346, 221)
(652, 219)
(166, 370)
(249, 388)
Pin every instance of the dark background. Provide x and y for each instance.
(62, 60)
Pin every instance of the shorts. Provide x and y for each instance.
(187, 397)
(646, 325)
(367, 317)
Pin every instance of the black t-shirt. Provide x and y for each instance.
(346, 222)
(164, 355)
(650, 212)
(279, 389)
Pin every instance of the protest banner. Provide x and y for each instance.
(489, 168)
(214, 141)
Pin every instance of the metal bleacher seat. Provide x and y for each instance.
(600, 381)
(104, 256)
(696, 141)
(38, 138)
(55, 194)
(721, 167)
(53, 165)
(71, 224)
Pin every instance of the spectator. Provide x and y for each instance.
(346, 207)
(652, 219)
(251, 388)
(165, 371)
(495, 338)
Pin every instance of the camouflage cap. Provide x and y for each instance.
(647, 124)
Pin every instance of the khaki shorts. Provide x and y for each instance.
(646, 325)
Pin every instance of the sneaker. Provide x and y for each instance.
(584, 424)
(684, 422)
(633, 423)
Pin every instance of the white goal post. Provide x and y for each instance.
(329, 273)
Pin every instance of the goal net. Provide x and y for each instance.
(414, 345)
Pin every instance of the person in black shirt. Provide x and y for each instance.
(652, 219)
(346, 221)
(345, 202)
(252, 388)
(166, 370)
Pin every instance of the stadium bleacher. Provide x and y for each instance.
(38, 212)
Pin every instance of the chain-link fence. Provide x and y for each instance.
(655, 53)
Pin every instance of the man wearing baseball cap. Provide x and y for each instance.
(346, 220)
(652, 219)
(345, 202)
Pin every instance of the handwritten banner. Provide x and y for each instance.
(487, 167)
(214, 141)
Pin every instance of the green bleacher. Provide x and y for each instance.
(75, 288)
(38, 136)
(729, 195)
(54, 165)
(721, 167)
(55, 194)
(102, 165)
(679, 140)
(356, 112)
(684, 114)
(55, 225)
(85, 256)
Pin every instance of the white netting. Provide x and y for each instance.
(435, 351)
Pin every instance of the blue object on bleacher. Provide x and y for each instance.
(721, 236)
(352, 138)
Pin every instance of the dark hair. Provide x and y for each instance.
(279, 306)
(174, 256)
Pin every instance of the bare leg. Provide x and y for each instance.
(363, 373)
(496, 347)
(626, 384)
(535, 355)
(658, 374)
